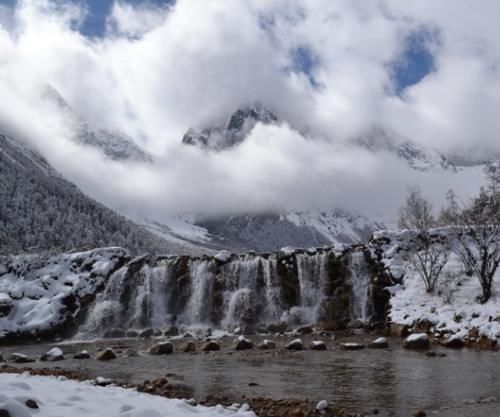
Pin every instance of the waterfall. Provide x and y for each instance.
(247, 290)
(312, 275)
(361, 305)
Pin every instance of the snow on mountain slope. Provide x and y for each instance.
(417, 156)
(115, 145)
(40, 210)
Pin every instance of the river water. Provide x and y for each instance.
(395, 381)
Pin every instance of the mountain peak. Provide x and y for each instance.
(233, 131)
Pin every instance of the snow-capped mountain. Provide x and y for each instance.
(233, 131)
(42, 211)
(115, 145)
(417, 156)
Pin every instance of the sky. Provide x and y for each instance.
(332, 70)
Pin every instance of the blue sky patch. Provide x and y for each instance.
(415, 62)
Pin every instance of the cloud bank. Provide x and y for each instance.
(158, 71)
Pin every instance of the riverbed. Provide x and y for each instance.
(393, 381)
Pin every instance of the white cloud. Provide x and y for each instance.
(159, 71)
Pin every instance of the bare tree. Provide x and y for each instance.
(428, 258)
(479, 238)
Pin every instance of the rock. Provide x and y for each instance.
(114, 334)
(423, 326)
(106, 355)
(132, 333)
(304, 330)
(130, 353)
(399, 330)
(82, 355)
(454, 342)
(31, 404)
(6, 304)
(431, 354)
(267, 345)
(20, 358)
(356, 324)
(187, 335)
(188, 347)
(277, 327)
(210, 346)
(103, 382)
(296, 344)
(317, 345)
(1, 358)
(241, 343)
(380, 343)
(417, 341)
(4, 413)
(223, 256)
(147, 333)
(420, 413)
(53, 355)
(322, 406)
(164, 348)
(171, 331)
(352, 346)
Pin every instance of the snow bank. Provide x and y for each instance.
(454, 308)
(43, 292)
(58, 397)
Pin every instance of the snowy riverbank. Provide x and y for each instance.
(453, 311)
(24, 396)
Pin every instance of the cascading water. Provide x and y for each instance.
(248, 290)
(361, 305)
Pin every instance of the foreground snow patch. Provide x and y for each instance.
(58, 397)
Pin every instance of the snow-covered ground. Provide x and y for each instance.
(38, 292)
(453, 308)
(58, 397)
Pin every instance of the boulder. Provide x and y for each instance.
(352, 346)
(132, 333)
(223, 256)
(417, 341)
(102, 382)
(380, 343)
(399, 330)
(322, 406)
(53, 355)
(82, 355)
(164, 348)
(241, 343)
(4, 413)
(6, 304)
(20, 358)
(147, 333)
(304, 330)
(454, 342)
(171, 331)
(1, 358)
(278, 327)
(267, 345)
(188, 347)
(296, 344)
(106, 355)
(31, 404)
(114, 334)
(318, 345)
(210, 346)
